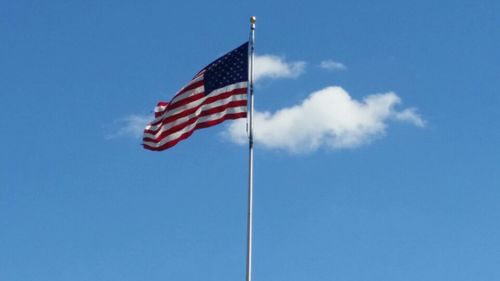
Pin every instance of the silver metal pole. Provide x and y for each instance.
(250, 151)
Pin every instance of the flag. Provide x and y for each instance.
(216, 93)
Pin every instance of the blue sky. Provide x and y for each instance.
(377, 152)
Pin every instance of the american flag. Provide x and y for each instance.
(217, 93)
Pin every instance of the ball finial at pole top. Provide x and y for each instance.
(253, 19)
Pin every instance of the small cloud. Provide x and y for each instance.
(332, 65)
(274, 67)
(328, 118)
(131, 126)
(410, 115)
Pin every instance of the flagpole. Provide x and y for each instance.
(250, 151)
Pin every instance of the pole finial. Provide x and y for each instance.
(253, 19)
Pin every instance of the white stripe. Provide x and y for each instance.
(212, 117)
(196, 79)
(195, 103)
(167, 126)
(167, 113)
(187, 94)
(160, 108)
(188, 106)
(176, 98)
(184, 119)
(184, 95)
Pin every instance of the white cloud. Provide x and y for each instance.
(328, 118)
(274, 67)
(130, 126)
(410, 115)
(332, 65)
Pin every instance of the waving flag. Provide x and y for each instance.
(217, 93)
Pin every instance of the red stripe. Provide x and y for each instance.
(181, 126)
(229, 116)
(161, 104)
(172, 102)
(185, 101)
(217, 109)
(189, 111)
(188, 88)
(225, 95)
(198, 126)
(205, 112)
(172, 130)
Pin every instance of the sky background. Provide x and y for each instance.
(413, 196)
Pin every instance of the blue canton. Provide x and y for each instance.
(228, 69)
